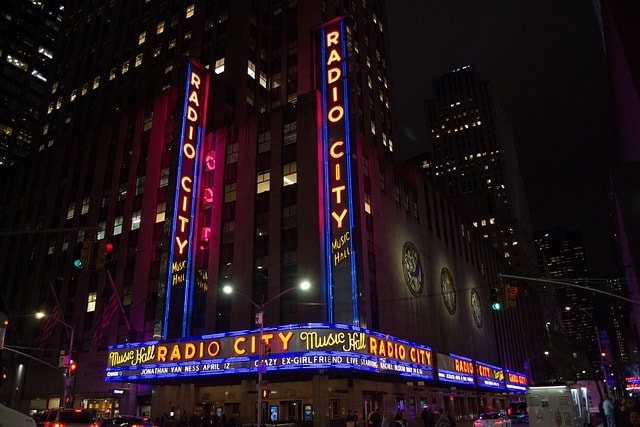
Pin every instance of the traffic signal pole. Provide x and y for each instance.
(567, 283)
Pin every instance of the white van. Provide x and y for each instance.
(12, 418)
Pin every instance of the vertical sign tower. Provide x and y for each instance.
(334, 147)
(180, 274)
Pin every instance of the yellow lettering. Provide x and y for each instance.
(333, 38)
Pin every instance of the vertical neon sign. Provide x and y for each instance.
(180, 274)
(335, 140)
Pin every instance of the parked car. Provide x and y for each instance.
(492, 419)
(12, 418)
(65, 417)
(131, 421)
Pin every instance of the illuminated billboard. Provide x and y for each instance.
(489, 376)
(334, 141)
(455, 369)
(180, 274)
(515, 381)
(307, 346)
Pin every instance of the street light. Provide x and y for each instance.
(71, 332)
(528, 367)
(262, 367)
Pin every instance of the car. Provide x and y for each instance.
(492, 419)
(12, 418)
(57, 417)
(131, 421)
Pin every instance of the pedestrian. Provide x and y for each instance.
(443, 420)
(608, 408)
(428, 418)
(374, 418)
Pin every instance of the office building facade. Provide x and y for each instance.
(246, 144)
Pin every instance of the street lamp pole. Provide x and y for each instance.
(262, 367)
(71, 332)
(600, 352)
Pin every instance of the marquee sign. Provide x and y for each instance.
(180, 278)
(455, 369)
(489, 376)
(307, 346)
(334, 140)
(515, 381)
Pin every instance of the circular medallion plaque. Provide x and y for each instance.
(412, 269)
(448, 289)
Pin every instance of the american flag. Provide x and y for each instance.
(50, 324)
(105, 316)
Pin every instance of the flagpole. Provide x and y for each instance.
(113, 287)
(55, 298)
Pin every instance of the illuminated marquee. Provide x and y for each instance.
(489, 376)
(180, 274)
(516, 381)
(455, 369)
(336, 152)
(309, 346)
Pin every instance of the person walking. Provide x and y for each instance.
(608, 408)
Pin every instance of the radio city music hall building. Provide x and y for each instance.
(252, 146)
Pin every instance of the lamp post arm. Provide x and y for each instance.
(281, 294)
(253, 303)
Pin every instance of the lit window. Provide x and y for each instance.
(125, 67)
(367, 202)
(190, 10)
(136, 219)
(37, 74)
(157, 51)
(230, 192)
(263, 181)
(161, 210)
(289, 174)
(172, 43)
(148, 122)
(219, 66)
(164, 177)
(96, 82)
(251, 69)
(160, 27)
(142, 37)
(373, 128)
(101, 232)
(263, 80)
(122, 192)
(74, 94)
(71, 210)
(85, 88)
(112, 73)
(85, 205)
(187, 35)
(17, 62)
(91, 302)
(117, 226)
(138, 59)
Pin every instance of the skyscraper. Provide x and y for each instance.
(472, 158)
(247, 144)
(28, 31)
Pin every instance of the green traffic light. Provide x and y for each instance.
(77, 263)
(496, 306)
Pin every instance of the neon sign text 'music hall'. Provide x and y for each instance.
(335, 151)
(180, 274)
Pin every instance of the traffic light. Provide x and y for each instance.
(267, 350)
(104, 254)
(4, 374)
(265, 393)
(511, 297)
(496, 299)
(85, 255)
(73, 368)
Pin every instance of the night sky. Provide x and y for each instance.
(546, 62)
